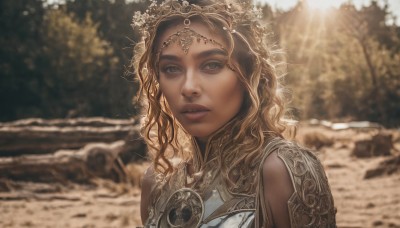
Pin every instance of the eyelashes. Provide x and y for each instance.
(209, 67)
(171, 69)
(213, 66)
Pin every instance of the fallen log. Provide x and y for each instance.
(38, 136)
(94, 160)
(89, 122)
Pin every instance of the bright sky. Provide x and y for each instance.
(394, 5)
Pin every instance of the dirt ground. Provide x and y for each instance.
(360, 202)
(75, 206)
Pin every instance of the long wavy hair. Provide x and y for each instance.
(255, 62)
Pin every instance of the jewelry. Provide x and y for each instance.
(185, 38)
(148, 21)
(227, 14)
(184, 208)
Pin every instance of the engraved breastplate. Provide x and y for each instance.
(204, 200)
(213, 206)
(186, 208)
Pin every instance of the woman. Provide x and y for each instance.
(214, 124)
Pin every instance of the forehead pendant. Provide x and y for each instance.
(185, 38)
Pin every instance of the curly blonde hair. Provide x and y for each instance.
(262, 112)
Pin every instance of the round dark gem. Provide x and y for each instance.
(186, 214)
(172, 216)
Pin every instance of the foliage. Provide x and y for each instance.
(20, 44)
(72, 60)
(114, 25)
(343, 64)
(76, 77)
(56, 63)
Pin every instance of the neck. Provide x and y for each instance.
(202, 143)
(204, 148)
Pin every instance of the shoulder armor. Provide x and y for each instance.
(311, 204)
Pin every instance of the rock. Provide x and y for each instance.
(379, 145)
(386, 167)
(317, 140)
(370, 205)
(378, 223)
(335, 165)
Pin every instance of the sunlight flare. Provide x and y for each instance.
(320, 4)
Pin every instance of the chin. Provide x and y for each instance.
(198, 133)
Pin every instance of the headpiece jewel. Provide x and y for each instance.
(186, 36)
(230, 15)
(148, 21)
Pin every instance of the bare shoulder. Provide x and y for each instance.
(274, 169)
(148, 183)
(298, 167)
(278, 189)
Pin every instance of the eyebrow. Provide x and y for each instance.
(212, 52)
(203, 54)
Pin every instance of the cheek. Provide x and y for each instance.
(230, 93)
(237, 98)
(228, 98)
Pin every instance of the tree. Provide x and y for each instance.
(114, 20)
(75, 67)
(340, 63)
(20, 43)
(367, 28)
(46, 62)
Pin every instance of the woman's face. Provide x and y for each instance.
(202, 92)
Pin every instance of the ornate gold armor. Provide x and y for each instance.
(205, 201)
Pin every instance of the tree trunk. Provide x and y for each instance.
(38, 136)
(94, 160)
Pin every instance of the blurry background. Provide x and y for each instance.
(71, 58)
(70, 150)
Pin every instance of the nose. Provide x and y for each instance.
(191, 87)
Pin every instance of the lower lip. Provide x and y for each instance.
(195, 116)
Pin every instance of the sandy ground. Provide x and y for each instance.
(75, 206)
(360, 202)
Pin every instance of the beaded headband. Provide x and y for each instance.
(185, 38)
(231, 15)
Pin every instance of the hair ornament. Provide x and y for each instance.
(185, 38)
(229, 30)
(149, 20)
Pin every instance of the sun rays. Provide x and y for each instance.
(321, 5)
